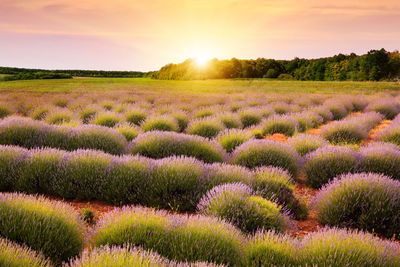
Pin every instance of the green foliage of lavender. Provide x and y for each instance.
(15, 255)
(158, 144)
(381, 158)
(238, 204)
(208, 127)
(364, 201)
(160, 123)
(304, 143)
(280, 124)
(51, 227)
(28, 133)
(325, 163)
(232, 138)
(107, 256)
(176, 237)
(257, 153)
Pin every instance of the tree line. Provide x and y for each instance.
(28, 74)
(376, 65)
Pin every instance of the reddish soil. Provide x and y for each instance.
(310, 224)
(374, 132)
(277, 137)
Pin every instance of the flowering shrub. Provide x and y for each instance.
(232, 138)
(381, 158)
(325, 113)
(157, 144)
(327, 162)
(206, 127)
(340, 247)
(391, 133)
(177, 183)
(387, 107)
(87, 114)
(126, 256)
(107, 119)
(339, 132)
(250, 117)
(81, 174)
(237, 204)
(160, 123)
(275, 184)
(4, 111)
(182, 118)
(257, 153)
(304, 143)
(136, 116)
(12, 254)
(352, 129)
(59, 116)
(271, 249)
(40, 112)
(177, 237)
(307, 120)
(230, 120)
(365, 201)
(11, 165)
(280, 124)
(129, 131)
(51, 227)
(29, 133)
(337, 109)
(327, 247)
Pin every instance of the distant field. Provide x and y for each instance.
(201, 86)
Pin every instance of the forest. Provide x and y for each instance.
(376, 65)
(31, 74)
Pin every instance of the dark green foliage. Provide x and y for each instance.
(374, 66)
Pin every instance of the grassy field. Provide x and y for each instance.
(201, 86)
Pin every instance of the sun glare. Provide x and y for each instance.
(202, 56)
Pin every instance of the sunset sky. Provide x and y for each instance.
(147, 34)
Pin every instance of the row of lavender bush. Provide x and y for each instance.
(57, 231)
(171, 183)
(352, 130)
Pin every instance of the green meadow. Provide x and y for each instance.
(201, 86)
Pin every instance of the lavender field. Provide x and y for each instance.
(100, 172)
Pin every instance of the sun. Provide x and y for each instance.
(202, 57)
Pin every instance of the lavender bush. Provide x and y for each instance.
(136, 116)
(12, 163)
(206, 127)
(51, 227)
(387, 107)
(107, 119)
(157, 144)
(257, 153)
(381, 158)
(364, 201)
(237, 204)
(177, 183)
(271, 249)
(304, 143)
(177, 237)
(160, 123)
(126, 256)
(340, 247)
(232, 138)
(277, 185)
(327, 162)
(29, 133)
(250, 117)
(12, 254)
(280, 124)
